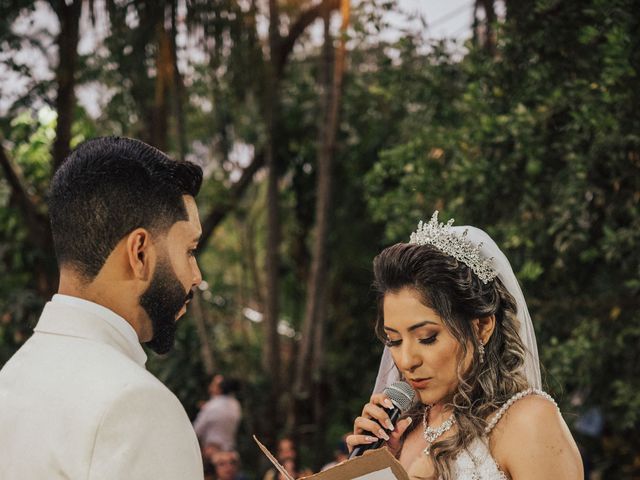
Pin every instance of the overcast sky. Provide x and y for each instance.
(445, 18)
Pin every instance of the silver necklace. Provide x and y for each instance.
(432, 434)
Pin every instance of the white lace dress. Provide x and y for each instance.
(476, 462)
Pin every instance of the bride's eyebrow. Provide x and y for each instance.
(413, 327)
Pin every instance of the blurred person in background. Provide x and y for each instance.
(287, 455)
(209, 470)
(227, 465)
(217, 422)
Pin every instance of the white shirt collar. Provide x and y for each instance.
(109, 316)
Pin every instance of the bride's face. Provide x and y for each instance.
(422, 347)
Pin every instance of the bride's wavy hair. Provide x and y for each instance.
(458, 296)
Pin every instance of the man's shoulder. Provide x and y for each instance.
(75, 368)
(52, 397)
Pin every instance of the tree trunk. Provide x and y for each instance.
(39, 237)
(318, 276)
(489, 22)
(164, 82)
(199, 316)
(252, 264)
(309, 366)
(271, 351)
(69, 17)
(317, 273)
(178, 89)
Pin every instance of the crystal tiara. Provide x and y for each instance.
(444, 239)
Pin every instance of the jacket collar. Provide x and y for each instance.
(62, 318)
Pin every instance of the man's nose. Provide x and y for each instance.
(197, 275)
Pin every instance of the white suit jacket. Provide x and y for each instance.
(76, 402)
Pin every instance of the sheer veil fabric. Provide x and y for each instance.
(388, 373)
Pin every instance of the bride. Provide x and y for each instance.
(456, 327)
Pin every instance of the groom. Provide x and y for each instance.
(76, 400)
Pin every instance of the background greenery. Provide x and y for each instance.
(532, 133)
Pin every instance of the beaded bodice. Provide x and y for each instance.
(476, 462)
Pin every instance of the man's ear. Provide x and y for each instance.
(484, 327)
(141, 253)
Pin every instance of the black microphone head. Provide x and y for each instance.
(401, 394)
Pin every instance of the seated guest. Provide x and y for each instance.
(227, 465)
(287, 456)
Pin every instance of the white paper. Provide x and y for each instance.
(386, 474)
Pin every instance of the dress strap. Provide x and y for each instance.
(498, 415)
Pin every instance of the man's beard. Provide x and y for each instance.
(162, 301)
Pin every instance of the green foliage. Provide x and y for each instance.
(32, 136)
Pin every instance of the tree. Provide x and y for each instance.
(310, 365)
(32, 206)
(69, 19)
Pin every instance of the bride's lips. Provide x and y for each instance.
(419, 383)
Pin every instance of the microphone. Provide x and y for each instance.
(401, 395)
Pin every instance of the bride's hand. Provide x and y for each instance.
(367, 430)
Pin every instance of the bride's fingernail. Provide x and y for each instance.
(383, 434)
(370, 439)
(409, 420)
(389, 425)
(388, 403)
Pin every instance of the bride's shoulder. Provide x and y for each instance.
(529, 419)
(528, 430)
(530, 413)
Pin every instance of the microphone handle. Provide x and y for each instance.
(394, 414)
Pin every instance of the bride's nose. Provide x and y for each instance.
(409, 358)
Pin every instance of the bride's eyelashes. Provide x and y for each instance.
(424, 341)
(428, 340)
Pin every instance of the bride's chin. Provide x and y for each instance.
(428, 398)
(431, 397)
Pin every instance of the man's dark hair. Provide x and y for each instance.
(107, 188)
